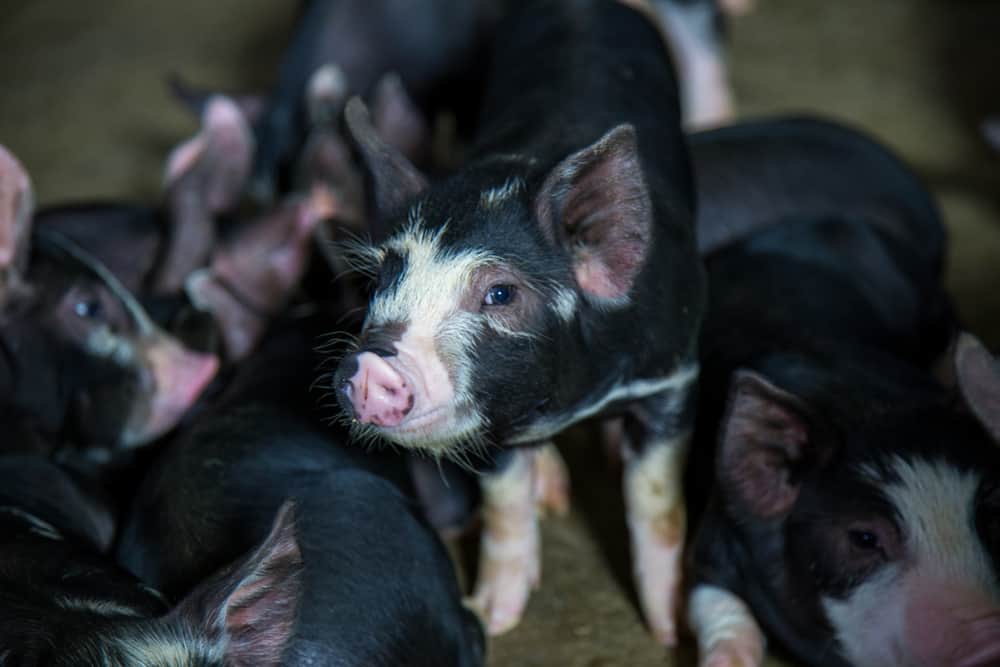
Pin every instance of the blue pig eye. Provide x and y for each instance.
(88, 309)
(499, 295)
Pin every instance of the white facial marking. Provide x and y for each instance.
(935, 503)
(102, 343)
(494, 197)
(434, 350)
(545, 429)
(173, 650)
(564, 304)
(35, 525)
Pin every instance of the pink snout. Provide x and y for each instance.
(378, 393)
(960, 628)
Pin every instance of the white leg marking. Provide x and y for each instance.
(551, 481)
(727, 633)
(509, 562)
(654, 505)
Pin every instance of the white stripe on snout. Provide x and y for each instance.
(428, 297)
(678, 381)
(935, 504)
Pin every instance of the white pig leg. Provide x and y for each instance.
(728, 635)
(509, 559)
(654, 504)
(551, 481)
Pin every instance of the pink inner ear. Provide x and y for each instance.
(598, 202)
(979, 381)
(762, 437)
(15, 207)
(222, 154)
(183, 159)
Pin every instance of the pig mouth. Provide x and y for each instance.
(438, 430)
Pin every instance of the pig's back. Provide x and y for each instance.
(599, 64)
(758, 172)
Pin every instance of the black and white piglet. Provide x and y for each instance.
(378, 586)
(64, 602)
(551, 279)
(80, 355)
(854, 500)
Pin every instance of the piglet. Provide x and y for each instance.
(65, 603)
(846, 500)
(83, 357)
(551, 279)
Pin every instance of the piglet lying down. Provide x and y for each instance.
(854, 503)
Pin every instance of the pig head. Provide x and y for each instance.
(513, 285)
(80, 356)
(879, 542)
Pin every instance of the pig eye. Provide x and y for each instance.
(89, 308)
(864, 540)
(499, 295)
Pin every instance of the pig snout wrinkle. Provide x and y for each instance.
(378, 393)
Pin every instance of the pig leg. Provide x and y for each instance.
(654, 506)
(551, 481)
(656, 437)
(692, 36)
(728, 635)
(509, 562)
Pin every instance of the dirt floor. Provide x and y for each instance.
(85, 108)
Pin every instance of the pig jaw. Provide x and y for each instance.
(940, 603)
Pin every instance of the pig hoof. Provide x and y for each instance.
(505, 582)
(734, 653)
(551, 481)
(667, 636)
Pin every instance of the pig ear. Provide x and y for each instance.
(253, 603)
(217, 160)
(325, 94)
(596, 203)
(17, 203)
(397, 120)
(196, 99)
(978, 377)
(764, 436)
(396, 180)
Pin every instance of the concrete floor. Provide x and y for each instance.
(85, 109)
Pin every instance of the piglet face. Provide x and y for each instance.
(444, 323)
(883, 534)
(482, 290)
(929, 594)
(91, 361)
